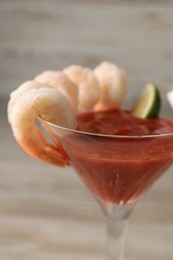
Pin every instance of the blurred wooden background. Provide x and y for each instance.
(46, 213)
(39, 34)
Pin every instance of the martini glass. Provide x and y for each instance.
(117, 170)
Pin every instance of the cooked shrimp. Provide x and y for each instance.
(60, 81)
(57, 96)
(89, 89)
(113, 84)
(28, 85)
(27, 107)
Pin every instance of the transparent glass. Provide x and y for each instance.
(117, 170)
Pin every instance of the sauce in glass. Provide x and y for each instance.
(120, 167)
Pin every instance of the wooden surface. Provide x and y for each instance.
(46, 213)
(37, 35)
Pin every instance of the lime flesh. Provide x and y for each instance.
(148, 104)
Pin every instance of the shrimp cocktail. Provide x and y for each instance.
(118, 153)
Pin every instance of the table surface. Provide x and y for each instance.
(46, 212)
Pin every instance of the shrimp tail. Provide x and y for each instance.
(36, 146)
(27, 109)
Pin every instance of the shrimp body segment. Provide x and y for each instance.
(60, 81)
(113, 83)
(51, 105)
(89, 87)
(26, 86)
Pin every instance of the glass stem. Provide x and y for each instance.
(117, 220)
(116, 229)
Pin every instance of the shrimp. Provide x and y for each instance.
(58, 96)
(89, 88)
(27, 103)
(113, 84)
(28, 85)
(60, 81)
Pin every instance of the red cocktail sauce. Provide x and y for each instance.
(118, 169)
(121, 122)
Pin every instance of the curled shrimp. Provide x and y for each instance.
(27, 103)
(26, 86)
(60, 81)
(89, 88)
(57, 97)
(113, 85)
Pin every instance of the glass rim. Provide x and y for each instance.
(128, 137)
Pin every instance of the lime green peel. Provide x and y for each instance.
(148, 104)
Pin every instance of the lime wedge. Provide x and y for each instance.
(148, 104)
